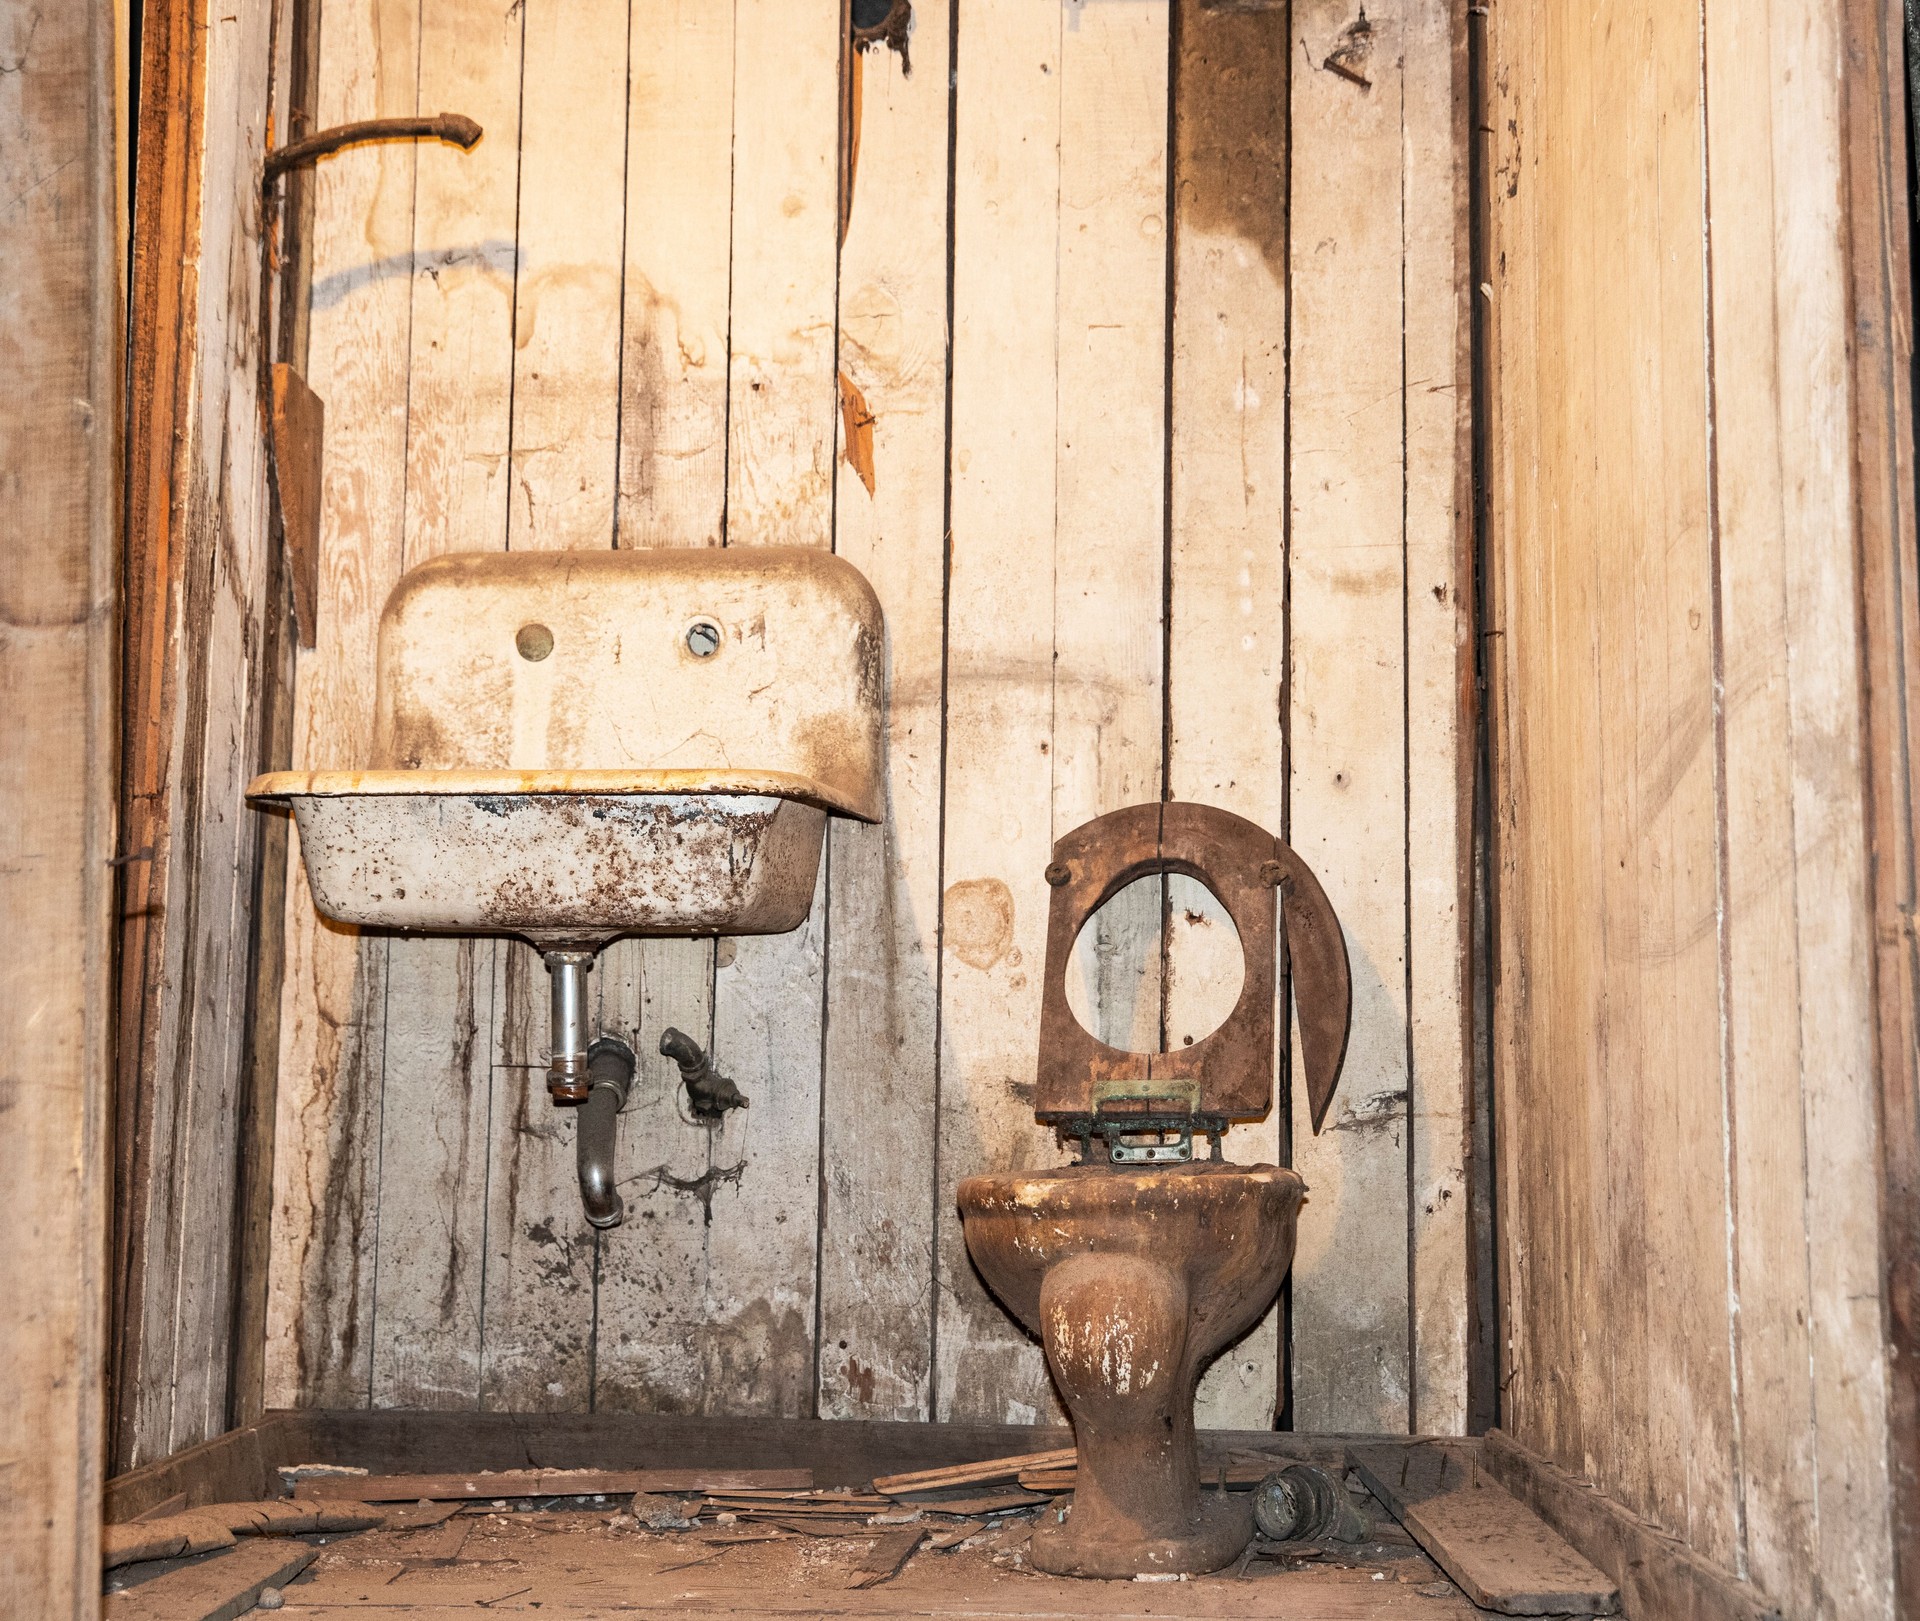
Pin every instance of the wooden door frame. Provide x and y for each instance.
(61, 333)
(1879, 222)
(168, 124)
(170, 522)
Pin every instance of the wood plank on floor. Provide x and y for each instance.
(1504, 1556)
(215, 1589)
(543, 1483)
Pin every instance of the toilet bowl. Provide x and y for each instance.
(1138, 1265)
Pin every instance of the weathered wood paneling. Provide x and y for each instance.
(332, 1023)
(201, 683)
(769, 994)
(1227, 642)
(673, 492)
(1693, 1262)
(436, 1061)
(1347, 743)
(877, 1151)
(999, 689)
(59, 444)
(1876, 132)
(1036, 386)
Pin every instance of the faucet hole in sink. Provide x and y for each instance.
(535, 642)
(703, 638)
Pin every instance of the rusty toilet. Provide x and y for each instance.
(1140, 1263)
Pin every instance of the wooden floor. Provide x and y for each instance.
(565, 1565)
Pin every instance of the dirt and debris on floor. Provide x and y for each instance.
(560, 1563)
(960, 1553)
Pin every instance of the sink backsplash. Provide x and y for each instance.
(662, 659)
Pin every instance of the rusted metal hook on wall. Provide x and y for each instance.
(295, 415)
(461, 131)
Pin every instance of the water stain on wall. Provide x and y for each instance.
(979, 921)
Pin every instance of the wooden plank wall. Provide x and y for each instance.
(202, 669)
(60, 341)
(1688, 1109)
(1027, 335)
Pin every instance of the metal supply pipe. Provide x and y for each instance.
(609, 1080)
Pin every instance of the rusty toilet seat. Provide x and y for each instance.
(1089, 1090)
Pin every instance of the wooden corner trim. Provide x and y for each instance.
(1660, 1578)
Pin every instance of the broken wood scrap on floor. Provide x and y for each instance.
(795, 1505)
(1503, 1555)
(419, 1516)
(1001, 1501)
(1237, 1475)
(885, 1558)
(988, 1471)
(821, 1526)
(508, 1483)
(435, 1545)
(218, 1525)
(215, 1589)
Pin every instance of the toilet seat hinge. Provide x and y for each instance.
(1145, 1123)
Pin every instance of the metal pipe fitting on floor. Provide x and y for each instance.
(567, 1056)
(609, 1080)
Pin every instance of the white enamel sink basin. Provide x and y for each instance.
(572, 746)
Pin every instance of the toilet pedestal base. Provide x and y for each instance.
(1116, 1333)
(1222, 1528)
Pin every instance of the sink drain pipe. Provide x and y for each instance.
(597, 1076)
(567, 1058)
(610, 1078)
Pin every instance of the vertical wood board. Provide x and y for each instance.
(999, 685)
(435, 1069)
(1347, 736)
(875, 1349)
(326, 1167)
(1676, 547)
(769, 993)
(673, 492)
(61, 343)
(1227, 643)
